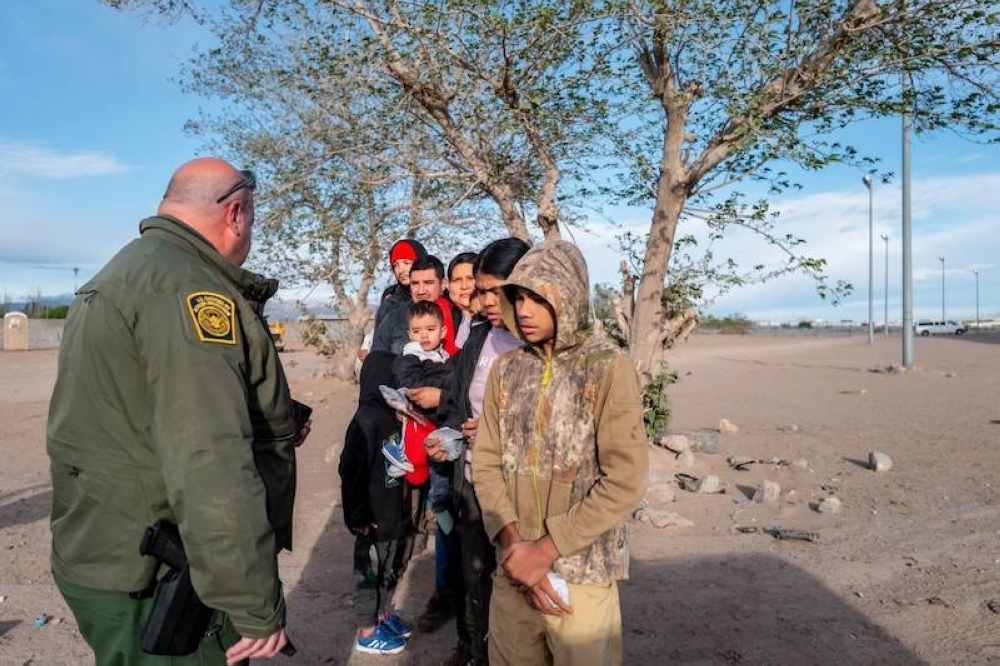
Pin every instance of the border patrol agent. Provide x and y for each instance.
(170, 402)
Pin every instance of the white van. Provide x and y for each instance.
(932, 327)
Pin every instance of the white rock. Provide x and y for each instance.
(686, 458)
(701, 439)
(660, 493)
(767, 491)
(662, 465)
(800, 463)
(709, 484)
(727, 427)
(660, 519)
(830, 505)
(879, 461)
(676, 443)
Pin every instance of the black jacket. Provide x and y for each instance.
(368, 494)
(455, 408)
(394, 297)
(412, 372)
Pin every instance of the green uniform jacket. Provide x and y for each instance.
(170, 402)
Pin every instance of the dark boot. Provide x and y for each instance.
(462, 656)
(439, 610)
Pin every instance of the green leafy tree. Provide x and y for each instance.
(345, 166)
(737, 90)
(512, 89)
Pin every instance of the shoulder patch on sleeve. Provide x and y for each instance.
(214, 317)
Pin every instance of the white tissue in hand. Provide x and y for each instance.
(560, 586)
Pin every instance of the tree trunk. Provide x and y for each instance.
(646, 344)
(358, 316)
(650, 323)
(355, 309)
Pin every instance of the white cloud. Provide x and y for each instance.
(41, 241)
(971, 157)
(952, 216)
(24, 159)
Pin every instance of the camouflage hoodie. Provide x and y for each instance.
(561, 448)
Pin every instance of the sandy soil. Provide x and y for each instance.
(903, 575)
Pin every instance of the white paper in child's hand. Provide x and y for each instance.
(451, 441)
(396, 398)
(445, 434)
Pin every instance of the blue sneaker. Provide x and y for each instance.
(381, 641)
(394, 453)
(397, 626)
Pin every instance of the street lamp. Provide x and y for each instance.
(885, 327)
(867, 180)
(941, 259)
(975, 271)
(906, 235)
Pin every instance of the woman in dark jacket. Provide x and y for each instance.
(459, 408)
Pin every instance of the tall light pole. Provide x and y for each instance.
(867, 180)
(885, 299)
(975, 271)
(906, 239)
(941, 259)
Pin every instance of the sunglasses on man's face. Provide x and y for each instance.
(249, 180)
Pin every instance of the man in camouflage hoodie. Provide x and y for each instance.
(560, 462)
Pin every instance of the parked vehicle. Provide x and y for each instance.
(277, 330)
(937, 327)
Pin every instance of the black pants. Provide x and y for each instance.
(479, 561)
(454, 578)
(377, 568)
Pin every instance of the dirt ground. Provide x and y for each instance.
(905, 574)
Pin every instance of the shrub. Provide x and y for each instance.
(656, 404)
(313, 333)
(57, 312)
(734, 324)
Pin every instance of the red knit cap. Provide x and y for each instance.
(402, 250)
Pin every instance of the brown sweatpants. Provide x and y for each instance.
(521, 636)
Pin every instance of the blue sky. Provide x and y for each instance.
(92, 127)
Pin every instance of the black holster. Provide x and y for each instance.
(179, 620)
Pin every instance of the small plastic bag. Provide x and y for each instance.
(452, 442)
